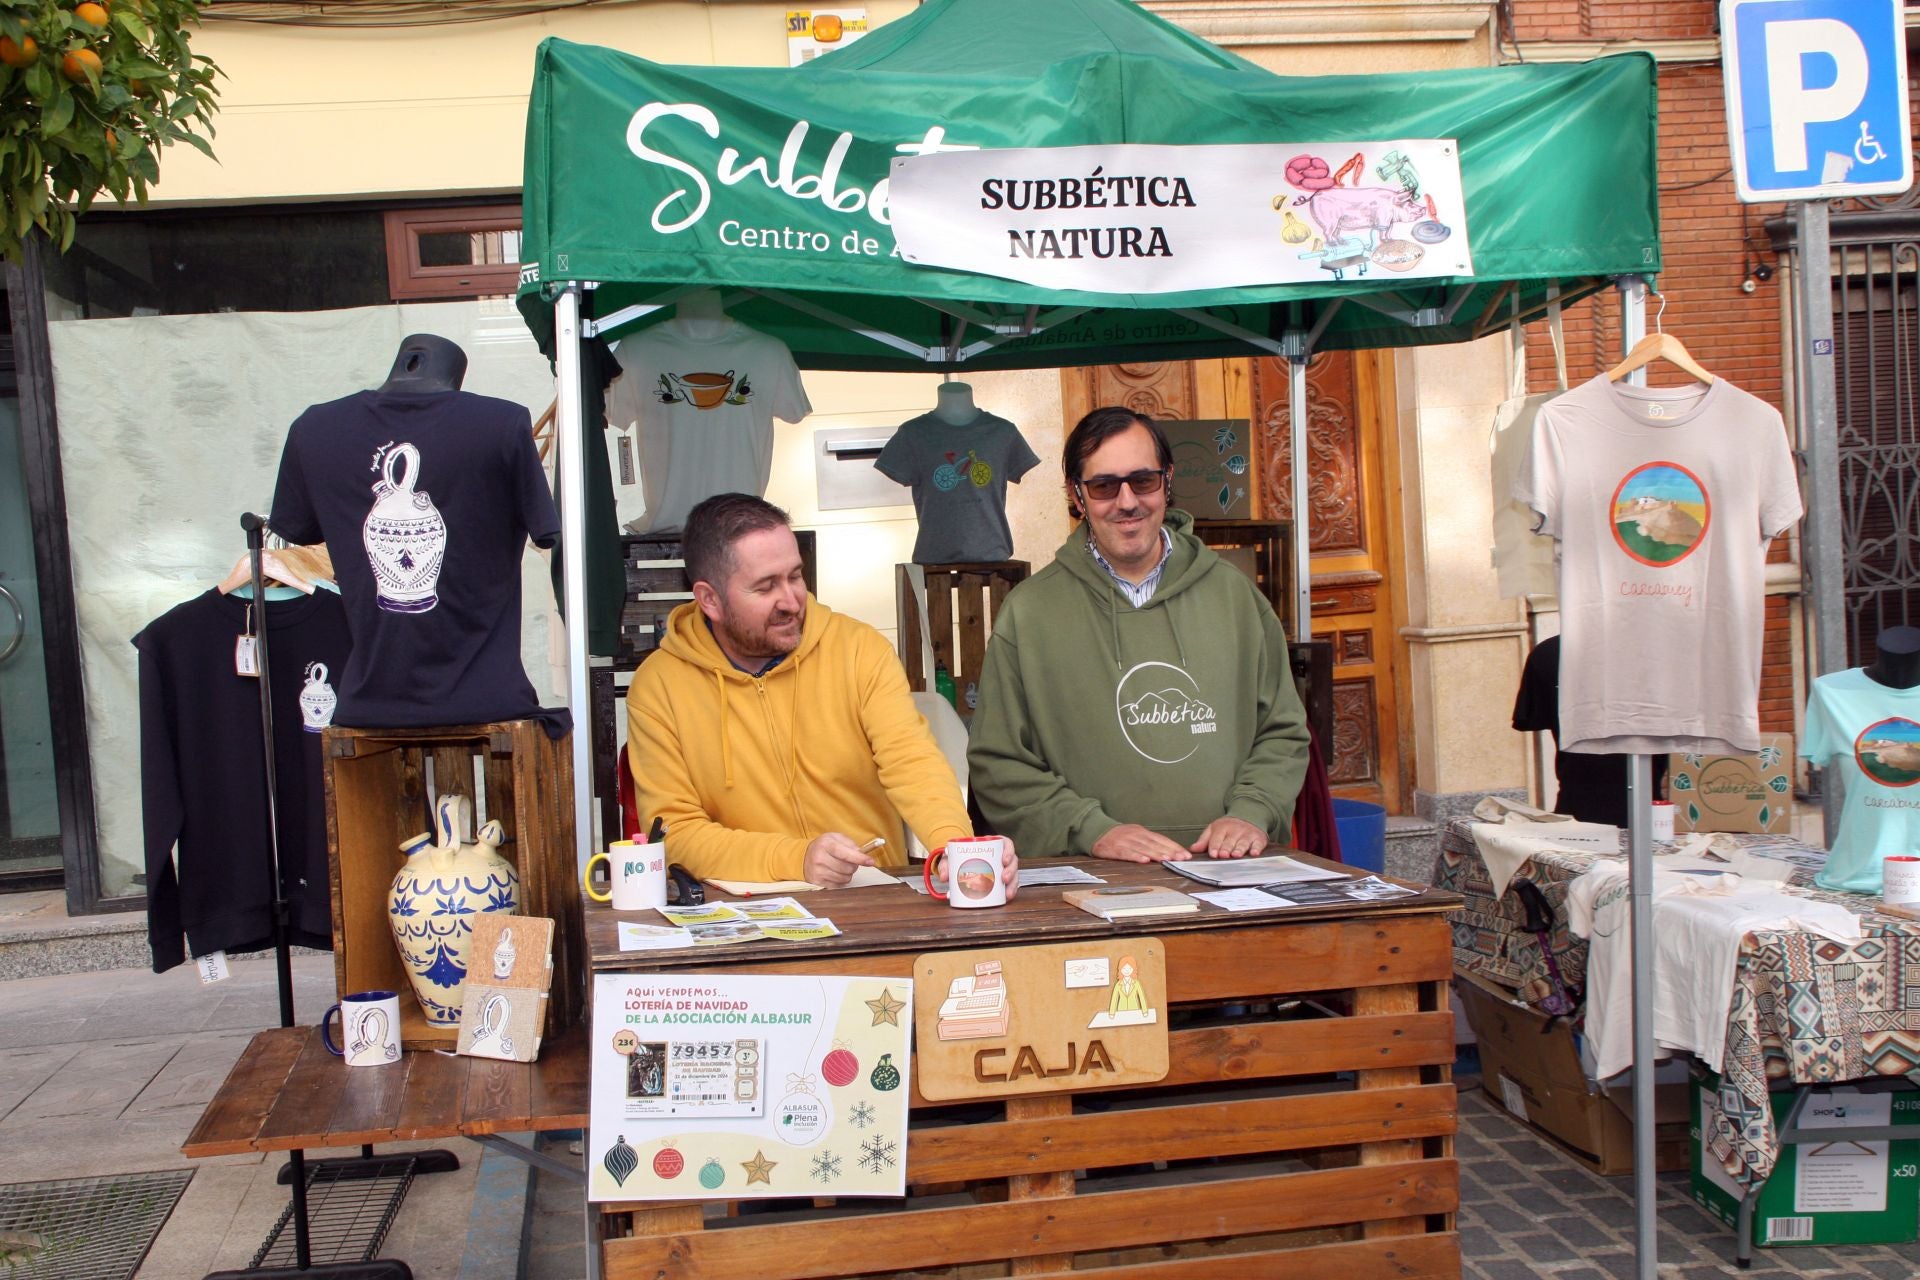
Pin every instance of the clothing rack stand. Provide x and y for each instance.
(297, 1172)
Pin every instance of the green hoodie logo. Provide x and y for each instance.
(1161, 712)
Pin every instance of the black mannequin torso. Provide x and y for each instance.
(1897, 661)
(426, 362)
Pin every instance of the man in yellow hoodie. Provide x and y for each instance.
(773, 736)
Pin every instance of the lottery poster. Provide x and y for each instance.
(713, 1087)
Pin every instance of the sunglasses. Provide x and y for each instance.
(1141, 482)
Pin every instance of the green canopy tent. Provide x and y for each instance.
(1557, 164)
(645, 182)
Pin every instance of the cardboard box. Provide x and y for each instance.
(1744, 793)
(1212, 472)
(1837, 1192)
(1533, 1070)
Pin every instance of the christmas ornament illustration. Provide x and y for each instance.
(620, 1161)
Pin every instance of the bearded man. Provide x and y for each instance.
(774, 737)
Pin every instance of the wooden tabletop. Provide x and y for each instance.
(288, 1092)
(896, 919)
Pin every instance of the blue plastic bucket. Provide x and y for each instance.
(1363, 834)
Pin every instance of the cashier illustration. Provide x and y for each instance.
(1136, 701)
(774, 736)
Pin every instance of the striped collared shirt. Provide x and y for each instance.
(1139, 593)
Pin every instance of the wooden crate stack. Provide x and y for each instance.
(962, 602)
(378, 796)
(656, 570)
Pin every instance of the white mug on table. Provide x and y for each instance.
(974, 867)
(636, 873)
(369, 1028)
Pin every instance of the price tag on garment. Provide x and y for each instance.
(246, 656)
(212, 967)
(626, 459)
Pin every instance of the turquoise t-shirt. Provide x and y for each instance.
(1869, 735)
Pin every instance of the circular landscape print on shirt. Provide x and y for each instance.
(1889, 752)
(1660, 513)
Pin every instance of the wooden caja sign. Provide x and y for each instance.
(1050, 1019)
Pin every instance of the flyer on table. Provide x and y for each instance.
(709, 1087)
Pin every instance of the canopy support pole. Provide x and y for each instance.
(1297, 442)
(570, 466)
(1646, 1238)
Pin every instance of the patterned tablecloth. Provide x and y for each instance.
(1805, 1009)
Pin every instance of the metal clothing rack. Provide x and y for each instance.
(388, 1177)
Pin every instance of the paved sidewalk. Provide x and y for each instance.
(106, 1073)
(1528, 1212)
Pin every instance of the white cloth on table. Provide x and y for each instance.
(1507, 846)
(1699, 922)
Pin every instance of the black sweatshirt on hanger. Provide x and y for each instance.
(203, 779)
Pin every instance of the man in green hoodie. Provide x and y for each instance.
(1136, 701)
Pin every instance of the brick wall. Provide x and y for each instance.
(1709, 240)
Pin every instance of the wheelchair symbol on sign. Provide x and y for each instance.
(1868, 149)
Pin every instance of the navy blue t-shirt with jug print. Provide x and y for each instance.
(425, 501)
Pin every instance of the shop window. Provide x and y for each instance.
(471, 252)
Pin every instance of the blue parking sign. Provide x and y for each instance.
(1816, 97)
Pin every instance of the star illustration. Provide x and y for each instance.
(886, 1008)
(759, 1169)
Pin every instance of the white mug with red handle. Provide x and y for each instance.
(973, 872)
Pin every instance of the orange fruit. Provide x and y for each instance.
(94, 15)
(18, 55)
(76, 64)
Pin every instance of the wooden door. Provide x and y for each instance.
(1347, 523)
(1352, 605)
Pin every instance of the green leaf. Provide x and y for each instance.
(39, 80)
(128, 21)
(199, 144)
(58, 114)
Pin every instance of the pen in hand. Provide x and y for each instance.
(873, 844)
(659, 829)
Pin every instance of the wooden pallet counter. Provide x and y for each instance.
(1304, 1127)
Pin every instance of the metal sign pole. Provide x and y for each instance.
(1302, 552)
(1820, 555)
(1646, 1235)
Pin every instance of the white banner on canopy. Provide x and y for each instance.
(1165, 219)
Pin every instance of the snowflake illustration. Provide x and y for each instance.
(878, 1153)
(861, 1115)
(826, 1167)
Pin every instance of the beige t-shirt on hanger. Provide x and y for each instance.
(1663, 500)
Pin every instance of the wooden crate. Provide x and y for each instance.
(1263, 550)
(656, 585)
(378, 795)
(1310, 1135)
(962, 602)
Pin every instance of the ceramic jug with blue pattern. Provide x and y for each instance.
(435, 898)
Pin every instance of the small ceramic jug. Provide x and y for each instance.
(405, 536)
(435, 897)
(317, 699)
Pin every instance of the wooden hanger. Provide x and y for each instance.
(1660, 345)
(273, 568)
